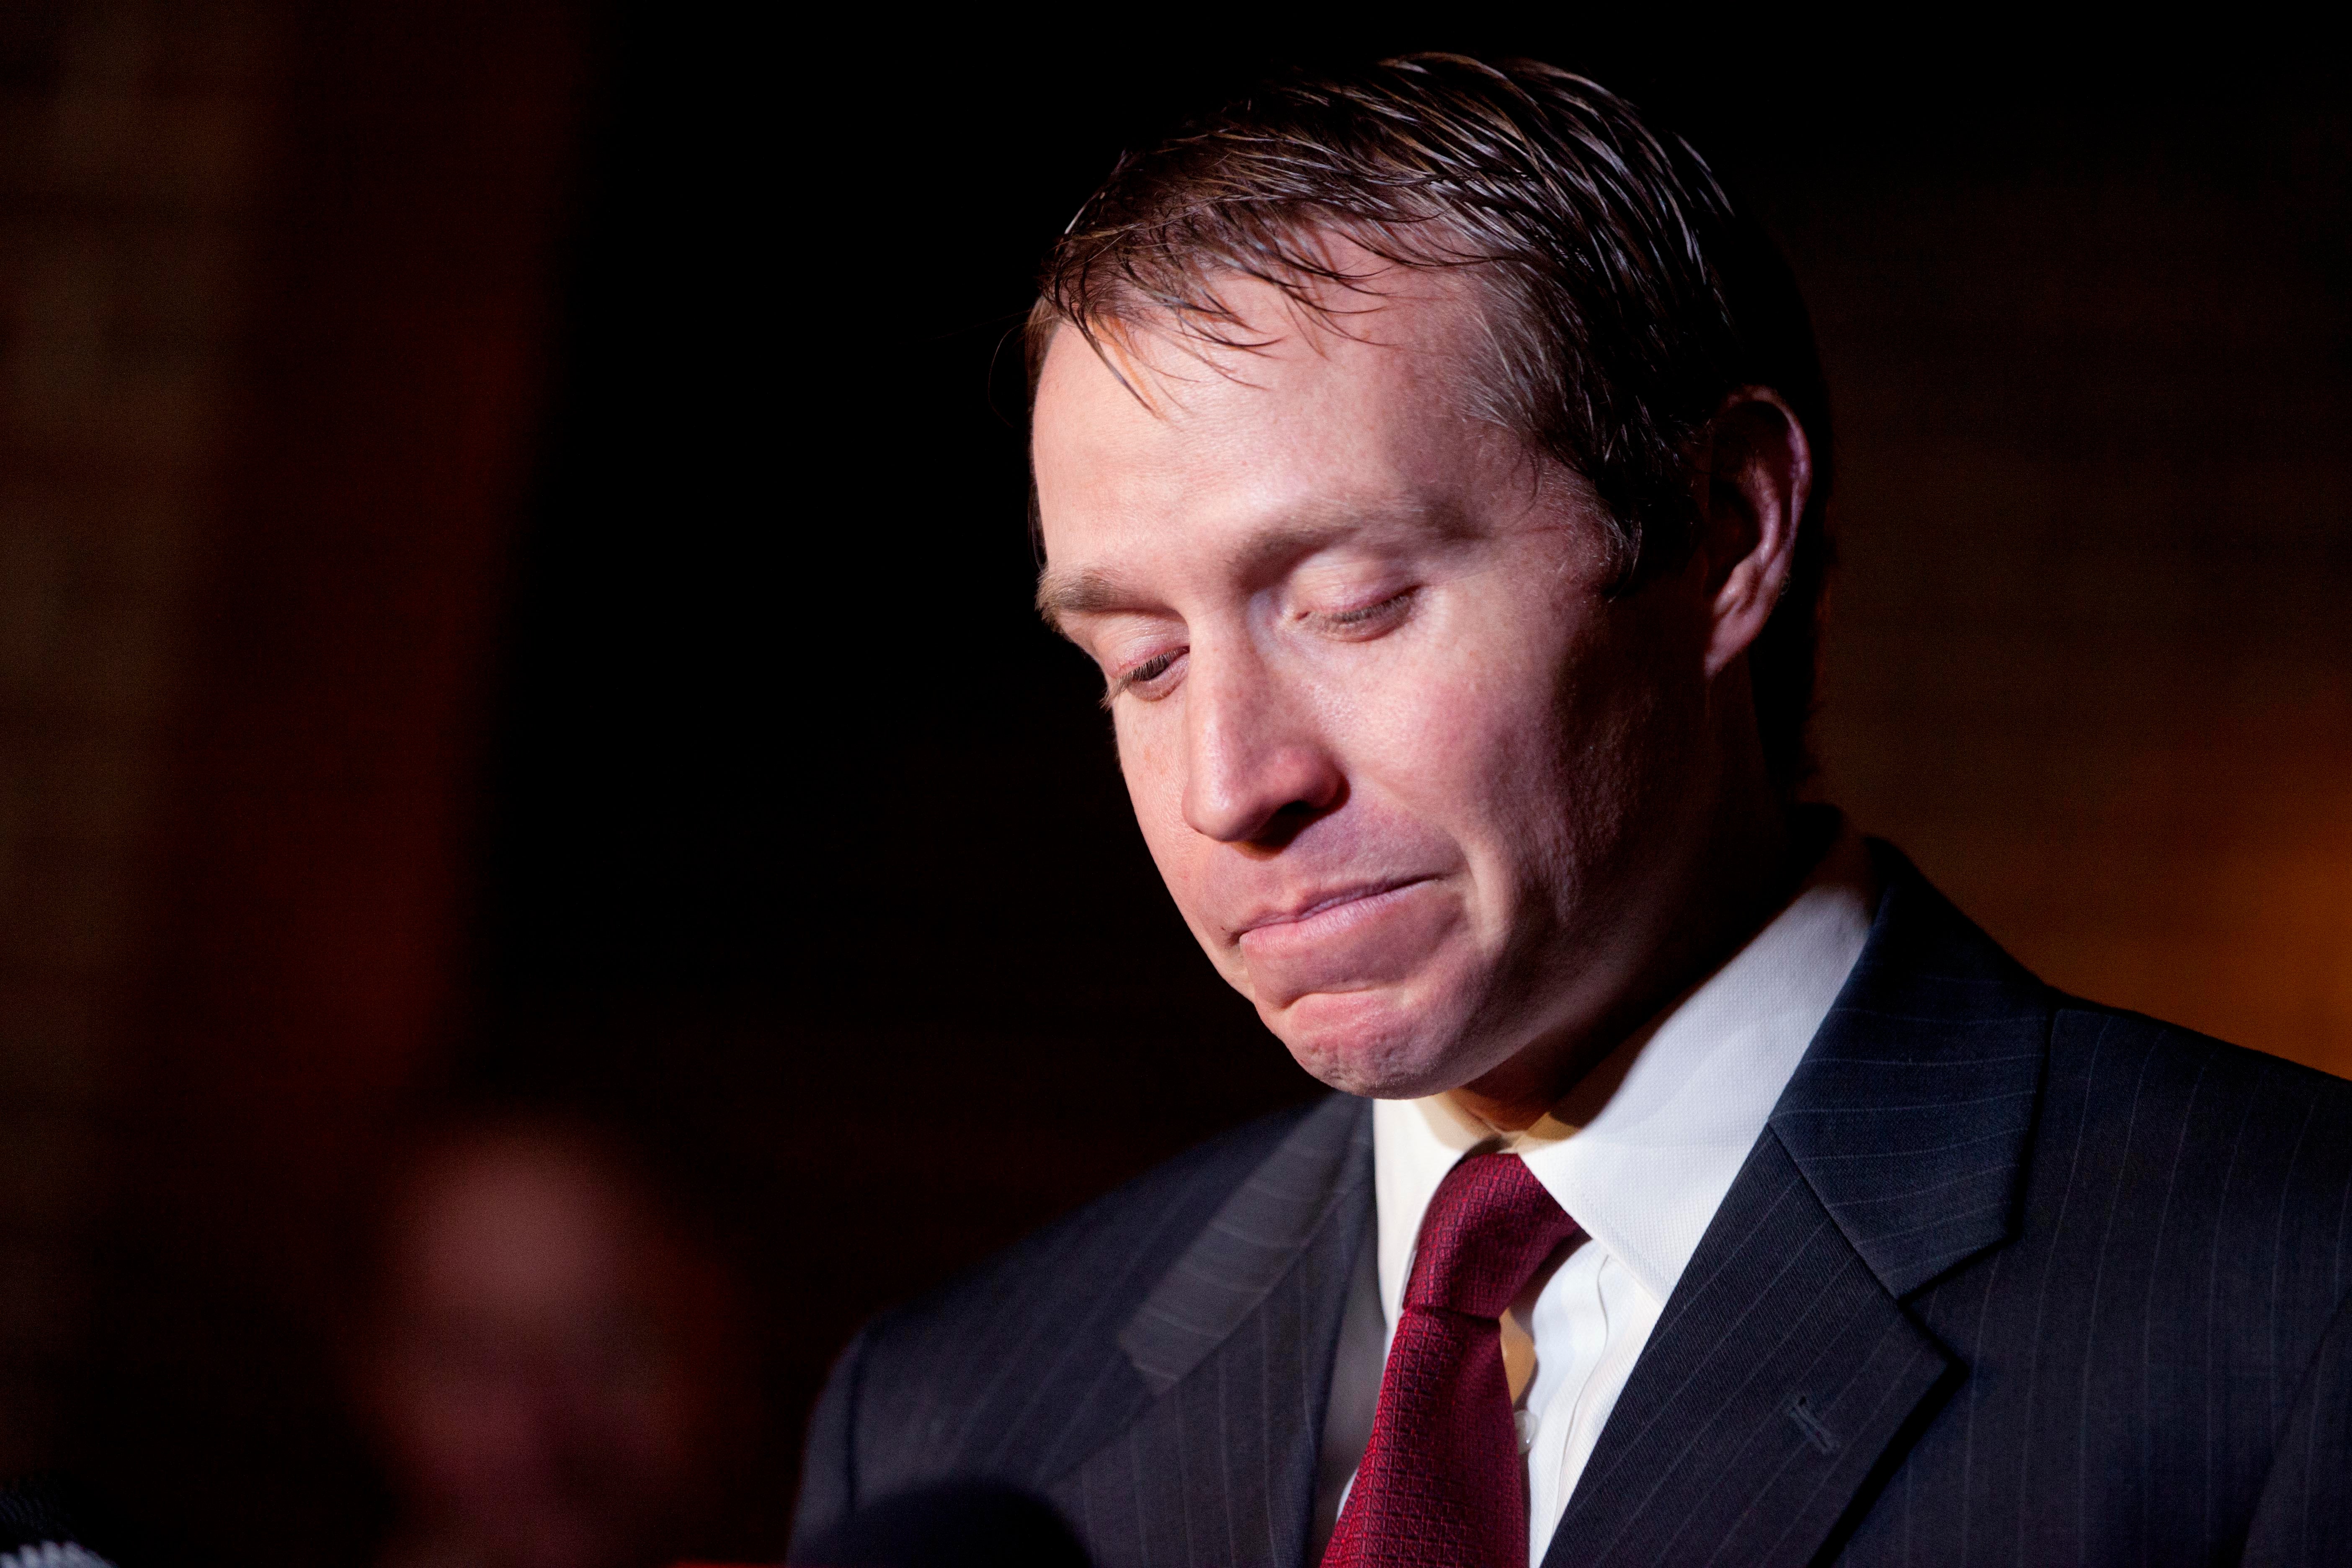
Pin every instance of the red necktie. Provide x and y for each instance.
(1441, 1484)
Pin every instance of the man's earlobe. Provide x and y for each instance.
(1758, 478)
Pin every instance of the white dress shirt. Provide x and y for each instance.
(1640, 1154)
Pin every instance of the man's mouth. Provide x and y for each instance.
(1331, 907)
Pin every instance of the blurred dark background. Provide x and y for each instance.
(513, 585)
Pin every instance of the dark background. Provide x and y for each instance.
(682, 746)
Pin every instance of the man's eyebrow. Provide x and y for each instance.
(1290, 540)
(1078, 593)
(1090, 592)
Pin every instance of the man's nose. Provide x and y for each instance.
(1256, 770)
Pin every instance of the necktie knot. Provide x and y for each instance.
(1487, 1230)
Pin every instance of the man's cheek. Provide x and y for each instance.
(1433, 713)
(1147, 761)
(1180, 855)
(1185, 869)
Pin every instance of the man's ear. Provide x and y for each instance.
(1755, 473)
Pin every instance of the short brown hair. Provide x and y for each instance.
(1629, 294)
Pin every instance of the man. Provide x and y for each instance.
(1433, 460)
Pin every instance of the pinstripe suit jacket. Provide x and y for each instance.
(2007, 1279)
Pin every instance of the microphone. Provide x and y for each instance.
(38, 1529)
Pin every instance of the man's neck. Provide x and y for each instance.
(1756, 877)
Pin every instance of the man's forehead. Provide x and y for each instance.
(1150, 448)
(1264, 326)
(1282, 433)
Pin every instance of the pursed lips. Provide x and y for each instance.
(1334, 903)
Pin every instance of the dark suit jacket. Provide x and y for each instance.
(2007, 1279)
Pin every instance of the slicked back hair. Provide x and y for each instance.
(1625, 294)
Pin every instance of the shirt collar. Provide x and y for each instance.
(1643, 1152)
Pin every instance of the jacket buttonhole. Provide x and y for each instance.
(1816, 1433)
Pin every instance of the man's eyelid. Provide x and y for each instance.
(1363, 610)
(1100, 633)
(1390, 599)
(1358, 571)
(1127, 679)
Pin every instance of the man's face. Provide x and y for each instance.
(1393, 750)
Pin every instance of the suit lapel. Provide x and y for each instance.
(1784, 1375)
(1226, 1275)
(1235, 1344)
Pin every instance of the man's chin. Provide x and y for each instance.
(1367, 1043)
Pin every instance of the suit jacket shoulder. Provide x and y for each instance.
(2172, 1299)
(2010, 1278)
(1022, 1368)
